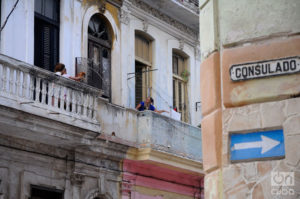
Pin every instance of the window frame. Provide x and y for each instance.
(47, 189)
(177, 81)
(54, 26)
(145, 64)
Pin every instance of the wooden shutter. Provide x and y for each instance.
(138, 84)
(46, 34)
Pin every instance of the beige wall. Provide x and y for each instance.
(235, 32)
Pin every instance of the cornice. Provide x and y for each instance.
(145, 12)
(159, 157)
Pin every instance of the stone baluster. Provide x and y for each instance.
(44, 91)
(85, 105)
(25, 85)
(91, 106)
(11, 80)
(68, 99)
(94, 113)
(62, 97)
(18, 82)
(51, 93)
(80, 104)
(31, 87)
(74, 101)
(56, 89)
(1, 74)
(3, 78)
(37, 89)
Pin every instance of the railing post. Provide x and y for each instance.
(94, 111)
(4, 78)
(24, 85)
(91, 106)
(37, 89)
(56, 94)
(18, 82)
(2, 82)
(31, 87)
(61, 97)
(11, 80)
(44, 91)
(67, 99)
(80, 104)
(74, 101)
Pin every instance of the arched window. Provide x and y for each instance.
(143, 63)
(99, 51)
(180, 78)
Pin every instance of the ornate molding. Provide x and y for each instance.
(181, 44)
(156, 13)
(102, 6)
(124, 16)
(197, 52)
(77, 179)
(145, 25)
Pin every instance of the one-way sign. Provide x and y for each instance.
(257, 145)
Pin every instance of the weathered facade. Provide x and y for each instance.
(236, 33)
(66, 139)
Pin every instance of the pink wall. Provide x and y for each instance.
(161, 178)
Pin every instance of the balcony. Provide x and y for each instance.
(152, 136)
(36, 91)
(37, 103)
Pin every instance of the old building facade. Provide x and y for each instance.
(66, 139)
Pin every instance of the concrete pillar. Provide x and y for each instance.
(237, 32)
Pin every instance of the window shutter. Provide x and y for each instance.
(138, 85)
(46, 48)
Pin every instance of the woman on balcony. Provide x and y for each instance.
(148, 106)
(61, 70)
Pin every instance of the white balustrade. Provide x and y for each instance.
(23, 82)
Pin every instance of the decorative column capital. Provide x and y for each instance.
(145, 25)
(124, 16)
(181, 44)
(77, 179)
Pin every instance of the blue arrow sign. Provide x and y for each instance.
(257, 145)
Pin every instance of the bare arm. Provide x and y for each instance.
(160, 111)
(138, 106)
(76, 78)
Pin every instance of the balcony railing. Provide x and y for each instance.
(148, 129)
(41, 92)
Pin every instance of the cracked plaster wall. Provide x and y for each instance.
(253, 179)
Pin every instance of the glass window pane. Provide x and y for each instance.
(174, 94)
(175, 65)
(49, 8)
(180, 96)
(38, 6)
(180, 65)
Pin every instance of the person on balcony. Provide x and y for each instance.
(148, 105)
(61, 70)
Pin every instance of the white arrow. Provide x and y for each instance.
(266, 144)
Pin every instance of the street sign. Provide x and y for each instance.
(257, 145)
(262, 69)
